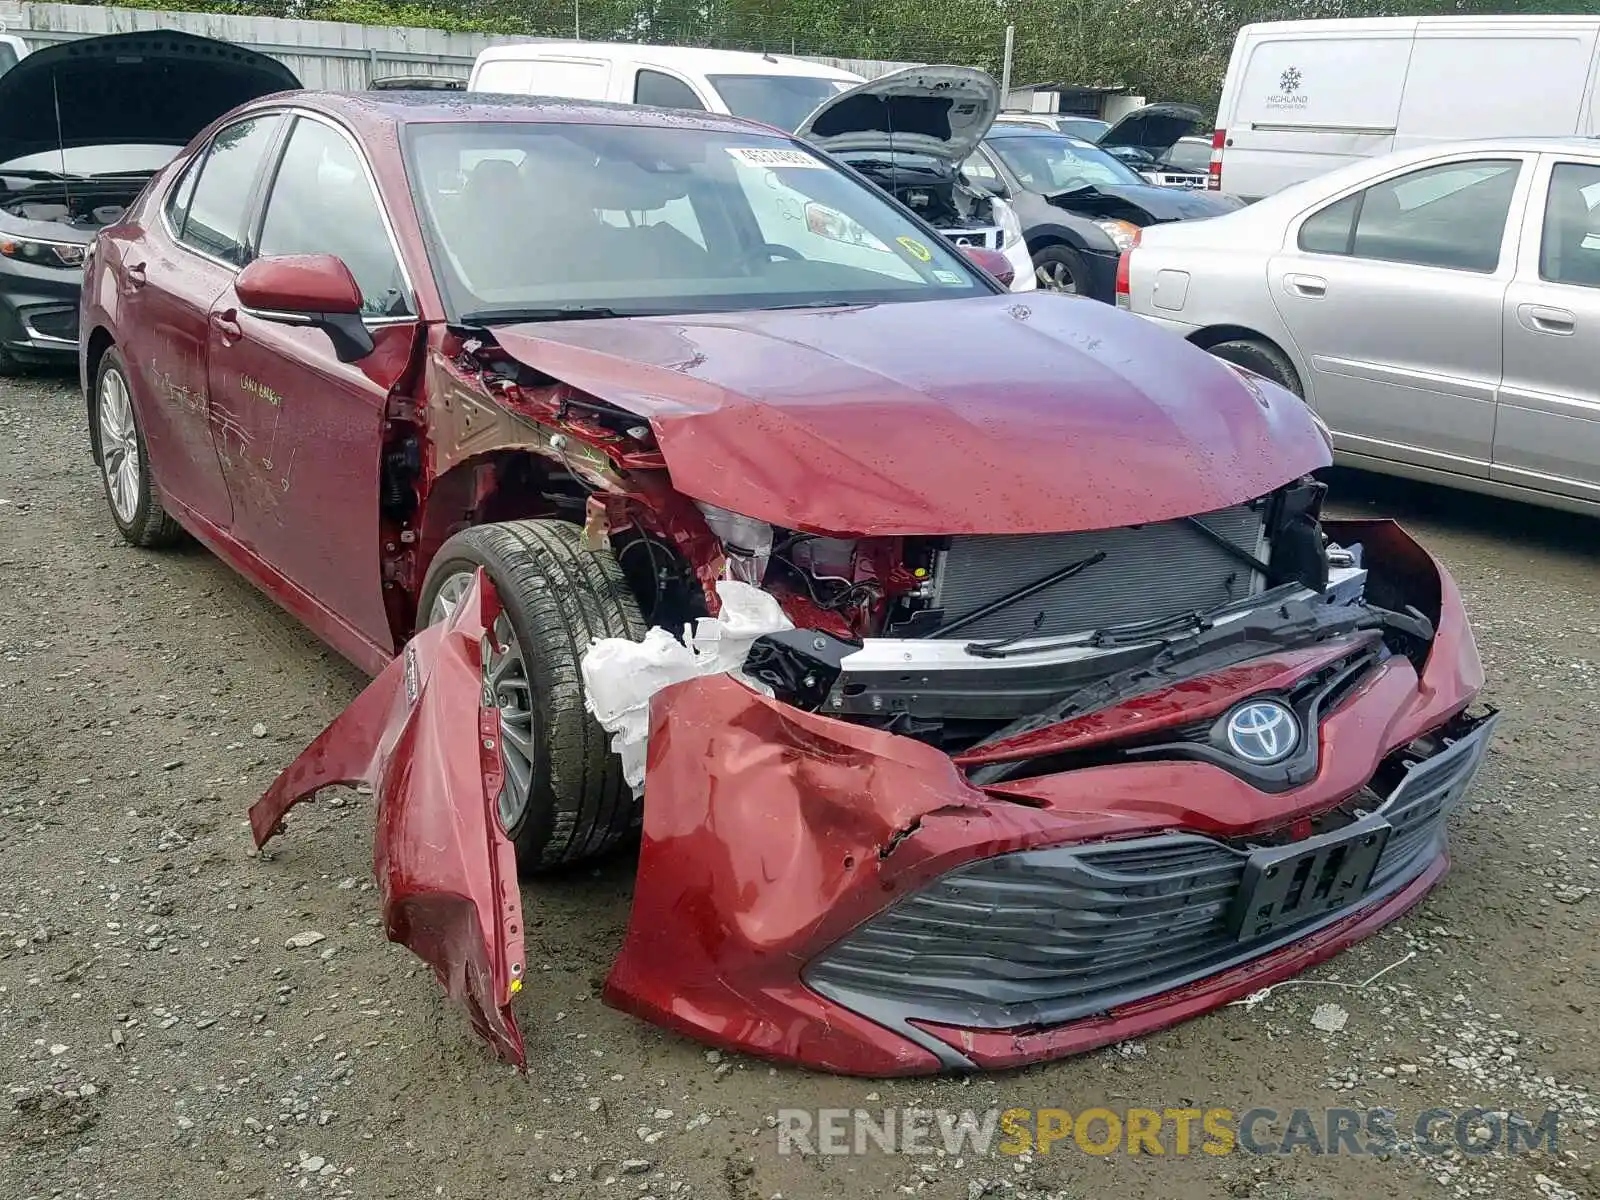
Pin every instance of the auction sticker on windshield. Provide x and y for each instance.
(754, 156)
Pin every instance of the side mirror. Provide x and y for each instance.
(992, 261)
(308, 289)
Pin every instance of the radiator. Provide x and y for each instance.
(1149, 572)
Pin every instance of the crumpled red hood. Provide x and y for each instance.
(997, 414)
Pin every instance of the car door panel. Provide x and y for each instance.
(300, 433)
(1548, 434)
(1386, 386)
(1393, 296)
(191, 247)
(165, 352)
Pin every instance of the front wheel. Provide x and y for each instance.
(1060, 269)
(564, 797)
(125, 462)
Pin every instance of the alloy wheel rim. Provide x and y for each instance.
(1055, 277)
(506, 686)
(119, 446)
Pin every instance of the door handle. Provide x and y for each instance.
(224, 324)
(135, 275)
(1313, 286)
(1539, 319)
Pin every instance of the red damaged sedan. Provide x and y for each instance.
(1068, 717)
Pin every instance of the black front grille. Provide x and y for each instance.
(1041, 937)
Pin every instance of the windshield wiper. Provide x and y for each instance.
(70, 176)
(1161, 630)
(561, 312)
(817, 304)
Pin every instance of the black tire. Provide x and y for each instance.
(558, 597)
(1263, 358)
(8, 363)
(148, 524)
(1061, 269)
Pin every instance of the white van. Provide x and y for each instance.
(12, 48)
(763, 87)
(1304, 97)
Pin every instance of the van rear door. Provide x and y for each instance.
(1482, 78)
(1308, 99)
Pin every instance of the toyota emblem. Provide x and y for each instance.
(1263, 732)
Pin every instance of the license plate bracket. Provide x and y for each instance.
(1284, 886)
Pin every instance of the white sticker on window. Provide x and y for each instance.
(753, 156)
(948, 277)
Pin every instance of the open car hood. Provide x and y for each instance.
(1147, 201)
(155, 87)
(943, 111)
(992, 415)
(1155, 128)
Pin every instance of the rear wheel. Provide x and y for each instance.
(124, 462)
(1060, 269)
(1263, 358)
(564, 797)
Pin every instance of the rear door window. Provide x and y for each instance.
(1569, 251)
(216, 219)
(660, 90)
(1453, 216)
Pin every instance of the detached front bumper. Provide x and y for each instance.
(821, 892)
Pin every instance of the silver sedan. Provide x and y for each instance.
(1438, 307)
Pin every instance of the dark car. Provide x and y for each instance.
(1079, 206)
(83, 127)
(1148, 139)
(973, 632)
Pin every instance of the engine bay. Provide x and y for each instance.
(935, 191)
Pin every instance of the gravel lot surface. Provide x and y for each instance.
(160, 1037)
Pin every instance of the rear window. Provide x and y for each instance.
(8, 58)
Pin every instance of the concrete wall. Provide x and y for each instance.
(323, 54)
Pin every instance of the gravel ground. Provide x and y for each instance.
(160, 1037)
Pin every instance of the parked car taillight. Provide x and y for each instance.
(1214, 172)
(1124, 264)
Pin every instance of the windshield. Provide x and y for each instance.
(114, 159)
(1047, 164)
(781, 100)
(633, 219)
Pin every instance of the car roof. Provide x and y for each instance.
(1505, 145)
(378, 109)
(682, 58)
